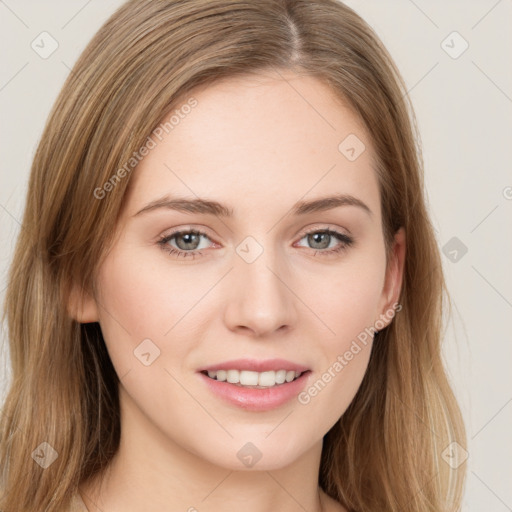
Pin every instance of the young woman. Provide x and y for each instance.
(226, 291)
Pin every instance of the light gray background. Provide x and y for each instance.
(464, 112)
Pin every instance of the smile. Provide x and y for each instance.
(254, 380)
(252, 397)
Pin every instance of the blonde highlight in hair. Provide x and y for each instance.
(384, 453)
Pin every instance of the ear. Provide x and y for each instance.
(393, 279)
(82, 306)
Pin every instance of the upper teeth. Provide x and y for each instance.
(249, 378)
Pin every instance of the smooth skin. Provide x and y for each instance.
(258, 145)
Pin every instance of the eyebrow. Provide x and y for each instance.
(208, 207)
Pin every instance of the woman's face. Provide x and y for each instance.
(244, 175)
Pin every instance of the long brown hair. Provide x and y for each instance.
(385, 452)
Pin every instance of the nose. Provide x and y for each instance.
(260, 297)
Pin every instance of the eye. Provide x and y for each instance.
(187, 243)
(321, 240)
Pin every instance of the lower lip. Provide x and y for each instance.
(253, 399)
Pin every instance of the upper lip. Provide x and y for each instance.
(255, 365)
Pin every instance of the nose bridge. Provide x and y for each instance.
(259, 298)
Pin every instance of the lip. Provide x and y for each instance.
(253, 399)
(254, 365)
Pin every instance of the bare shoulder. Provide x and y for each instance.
(331, 505)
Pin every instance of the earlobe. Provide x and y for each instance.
(82, 307)
(394, 278)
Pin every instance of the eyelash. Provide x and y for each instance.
(346, 242)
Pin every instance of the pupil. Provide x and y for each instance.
(315, 238)
(190, 239)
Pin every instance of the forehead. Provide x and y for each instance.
(258, 137)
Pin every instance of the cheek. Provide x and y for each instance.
(347, 298)
(331, 391)
(139, 302)
(349, 310)
(348, 304)
(148, 293)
